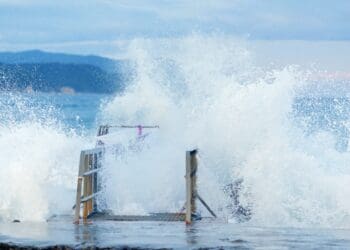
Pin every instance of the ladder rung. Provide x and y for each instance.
(87, 198)
(93, 151)
(87, 173)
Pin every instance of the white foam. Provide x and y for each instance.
(205, 92)
(38, 165)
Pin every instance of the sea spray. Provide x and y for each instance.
(205, 92)
(39, 160)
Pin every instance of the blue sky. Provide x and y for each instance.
(81, 20)
(42, 24)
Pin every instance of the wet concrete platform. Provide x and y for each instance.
(151, 217)
(63, 234)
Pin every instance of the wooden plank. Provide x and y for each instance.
(79, 187)
(89, 184)
(78, 200)
(81, 163)
(188, 188)
(91, 172)
(194, 166)
(85, 183)
(94, 183)
(206, 205)
(93, 151)
(89, 202)
(150, 217)
(87, 198)
(191, 184)
(91, 166)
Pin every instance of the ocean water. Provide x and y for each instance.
(270, 127)
(78, 111)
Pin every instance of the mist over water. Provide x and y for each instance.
(204, 92)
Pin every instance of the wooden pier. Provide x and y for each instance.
(89, 187)
(150, 217)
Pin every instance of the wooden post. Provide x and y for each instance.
(191, 184)
(79, 187)
(94, 181)
(78, 200)
(89, 184)
(85, 190)
(188, 188)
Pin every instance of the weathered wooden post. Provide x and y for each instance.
(89, 181)
(86, 187)
(78, 200)
(79, 187)
(191, 184)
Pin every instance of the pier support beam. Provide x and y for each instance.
(191, 184)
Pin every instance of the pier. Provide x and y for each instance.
(89, 187)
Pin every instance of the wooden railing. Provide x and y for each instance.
(88, 185)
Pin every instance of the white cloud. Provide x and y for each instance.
(181, 9)
(48, 21)
(22, 2)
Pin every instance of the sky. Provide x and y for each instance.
(67, 21)
(102, 26)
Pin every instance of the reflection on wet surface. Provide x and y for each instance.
(203, 234)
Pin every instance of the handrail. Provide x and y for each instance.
(104, 129)
(91, 172)
(87, 198)
(89, 166)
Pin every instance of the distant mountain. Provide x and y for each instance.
(42, 71)
(38, 56)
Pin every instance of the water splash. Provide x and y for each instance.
(39, 160)
(206, 92)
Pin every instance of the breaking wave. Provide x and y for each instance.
(207, 93)
(39, 160)
(204, 92)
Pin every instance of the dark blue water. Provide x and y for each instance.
(78, 111)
